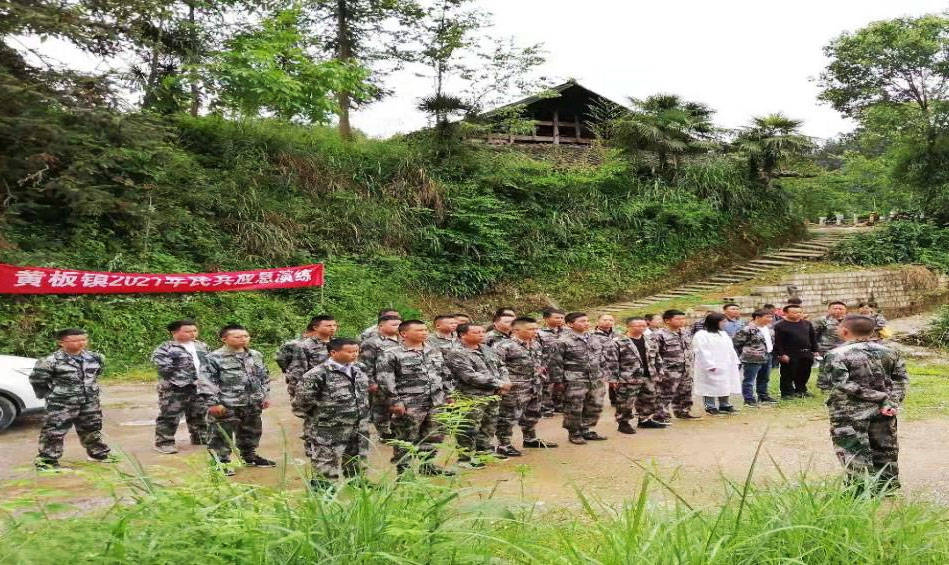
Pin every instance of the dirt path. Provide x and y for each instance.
(692, 455)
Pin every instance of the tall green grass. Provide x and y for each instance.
(415, 520)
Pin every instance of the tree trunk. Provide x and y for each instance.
(344, 53)
(193, 61)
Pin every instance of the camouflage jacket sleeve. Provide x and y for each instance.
(611, 361)
(820, 328)
(263, 373)
(370, 355)
(555, 362)
(296, 366)
(310, 391)
(461, 366)
(742, 337)
(174, 365)
(900, 380)
(209, 382)
(41, 377)
(386, 370)
(836, 374)
(284, 355)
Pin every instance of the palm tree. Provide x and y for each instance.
(666, 126)
(770, 142)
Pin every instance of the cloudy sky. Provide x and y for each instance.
(742, 57)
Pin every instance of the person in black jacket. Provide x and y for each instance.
(795, 342)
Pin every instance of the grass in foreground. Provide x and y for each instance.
(214, 520)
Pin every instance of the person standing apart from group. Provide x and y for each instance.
(795, 343)
(755, 345)
(179, 361)
(68, 380)
(716, 365)
(866, 383)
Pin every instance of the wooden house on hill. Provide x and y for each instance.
(559, 119)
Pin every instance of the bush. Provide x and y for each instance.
(923, 243)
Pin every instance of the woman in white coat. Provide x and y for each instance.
(716, 365)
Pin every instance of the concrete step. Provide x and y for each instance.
(774, 261)
(799, 255)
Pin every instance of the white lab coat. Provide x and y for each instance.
(715, 350)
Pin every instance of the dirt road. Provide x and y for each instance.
(693, 456)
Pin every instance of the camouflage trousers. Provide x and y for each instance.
(552, 400)
(379, 409)
(674, 388)
(866, 447)
(636, 397)
(583, 404)
(60, 417)
(480, 425)
(336, 446)
(521, 405)
(417, 427)
(241, 425)
(175, 402)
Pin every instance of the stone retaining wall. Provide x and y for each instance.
(899, 291)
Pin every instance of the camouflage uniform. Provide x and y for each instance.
(371, 331)
(417, 379)
(494, 336)
(575, 361)
(477, 373)
(69, 384)
(674, 385)
(443, 344)
(552, 400)
(336, 397)
(623, 365)
(239, 381)
(306, 353)
(178, 394)
(879, 322)
(862, 377)
(827, 338)
(370, 352)
(606, 339)
(527, 373)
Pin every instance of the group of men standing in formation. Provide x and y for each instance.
(402, 378)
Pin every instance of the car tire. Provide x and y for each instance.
(7, 412)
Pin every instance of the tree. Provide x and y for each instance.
(269, 68)
(365, 33)
(665, 127)
(769, 142)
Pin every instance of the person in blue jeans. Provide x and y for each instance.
(754, 344)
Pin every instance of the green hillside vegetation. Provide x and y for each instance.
(135, 192)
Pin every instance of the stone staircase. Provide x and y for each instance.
(822, 239)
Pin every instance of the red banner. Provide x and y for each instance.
(40, 280)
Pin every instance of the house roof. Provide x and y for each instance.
(559, 89)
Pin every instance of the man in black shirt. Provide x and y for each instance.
(795, 342)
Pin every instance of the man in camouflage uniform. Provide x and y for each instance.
(632, 365)
(68, 381)
(675, 383)
(575, 364)
(304, 354)
(179, 361)
(444, 338)
(478, 374)
(754, 344)
(552, 400)
(370, 352)
(336, 393)
(416, 384)
(866, 383)
(374, 329)
(501, 328)
(826, 327)
(524, 358)
(869, 309)
(603, 332)
(235, 387)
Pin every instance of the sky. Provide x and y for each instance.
(741, 57)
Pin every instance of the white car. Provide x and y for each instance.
(16, 394)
